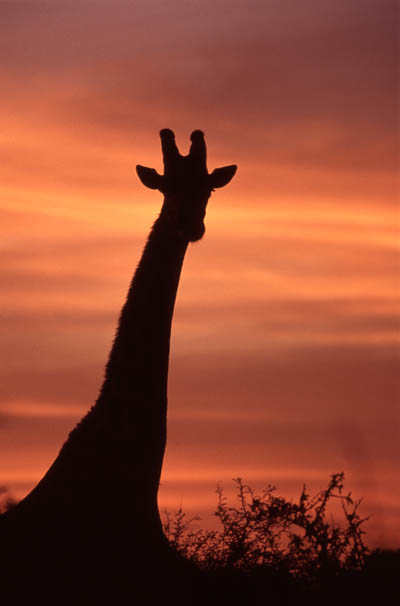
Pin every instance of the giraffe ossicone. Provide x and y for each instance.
(186, 181)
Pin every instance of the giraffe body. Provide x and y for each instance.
(92, 521)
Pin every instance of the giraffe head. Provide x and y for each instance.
(186, 183)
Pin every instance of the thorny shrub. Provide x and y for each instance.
(264, 530)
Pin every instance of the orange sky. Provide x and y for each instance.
(284, 341)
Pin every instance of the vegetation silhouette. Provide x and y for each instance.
(271, 548)
(71, 535)
(265, 530)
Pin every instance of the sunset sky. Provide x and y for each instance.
(284, 362)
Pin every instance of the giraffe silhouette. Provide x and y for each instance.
(91, 526)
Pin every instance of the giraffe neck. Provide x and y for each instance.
(121, 441)
(137, 369)
(132, 405)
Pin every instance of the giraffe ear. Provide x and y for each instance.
(221, 176)
(149, 177)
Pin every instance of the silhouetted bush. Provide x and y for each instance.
(267, 530)
(270, 548)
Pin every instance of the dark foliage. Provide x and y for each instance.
(271, 547)
(267, 530)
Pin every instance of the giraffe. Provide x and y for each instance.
(93, 518)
